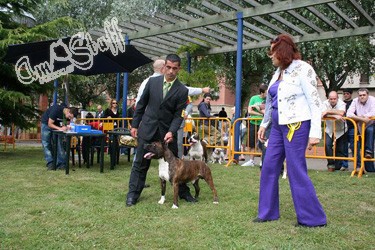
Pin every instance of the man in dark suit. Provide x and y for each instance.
(157, 117)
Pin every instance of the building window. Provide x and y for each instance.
(364, 79)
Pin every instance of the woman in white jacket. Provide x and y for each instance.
(293, 108)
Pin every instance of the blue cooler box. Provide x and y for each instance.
(83, 129)
(95, 131)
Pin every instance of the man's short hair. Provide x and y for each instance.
(207, 95)
(347, 91)
(73, 111)
(363, 90)
(263, 88)
(173, 58)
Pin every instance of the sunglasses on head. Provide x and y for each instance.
(275, 40)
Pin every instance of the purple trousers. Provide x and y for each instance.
(306, 204)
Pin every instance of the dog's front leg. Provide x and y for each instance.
(163, 185)
(175, 195)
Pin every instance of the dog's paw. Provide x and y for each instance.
(174, 206)
(162, 200)
(216, 202)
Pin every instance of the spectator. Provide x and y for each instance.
(205, 111)
(112, 112)
(255, 111)
(350, 129)
(158, 67)
(223, 113)
(188, 111)
(99, 113)
(361, 110)
(55, 118)
(90, 121)
(335, 130)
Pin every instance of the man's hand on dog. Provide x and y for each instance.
(168, 137)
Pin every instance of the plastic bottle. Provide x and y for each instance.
(72, 127)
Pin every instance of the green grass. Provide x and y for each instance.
(48, 210)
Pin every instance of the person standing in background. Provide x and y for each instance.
(100, 112)
(347, 98)
(333, 107)
(362, 110)
(255, 111)
(55, 118)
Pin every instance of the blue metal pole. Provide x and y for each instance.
(118, 86)
(55, 86)
(125, 87)
(238, 79)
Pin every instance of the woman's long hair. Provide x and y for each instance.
(284, 49)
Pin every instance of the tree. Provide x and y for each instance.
(336, 59)
(86, 89)
(18, 101)
(89, 13)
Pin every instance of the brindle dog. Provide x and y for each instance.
(179, 171)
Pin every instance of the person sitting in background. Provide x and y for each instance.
(362, 110)
(90, 121)
(335, 130)
(209, 129)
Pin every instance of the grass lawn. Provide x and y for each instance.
(48, 210)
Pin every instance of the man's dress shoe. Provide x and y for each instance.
(130, 202)
(189, 198)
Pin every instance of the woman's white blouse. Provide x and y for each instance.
(298, 98)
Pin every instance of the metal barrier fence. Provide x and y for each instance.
(362, 152)
(318, 152)
(7, 137)
(220, 133)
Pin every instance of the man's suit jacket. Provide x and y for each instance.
(153, 112)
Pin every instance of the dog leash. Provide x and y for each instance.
(292, 127)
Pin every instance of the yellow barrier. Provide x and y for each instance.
(216, 131)
(8, 138)
(247, 145)
(219, 128)
(318, 152)
(362, 153)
